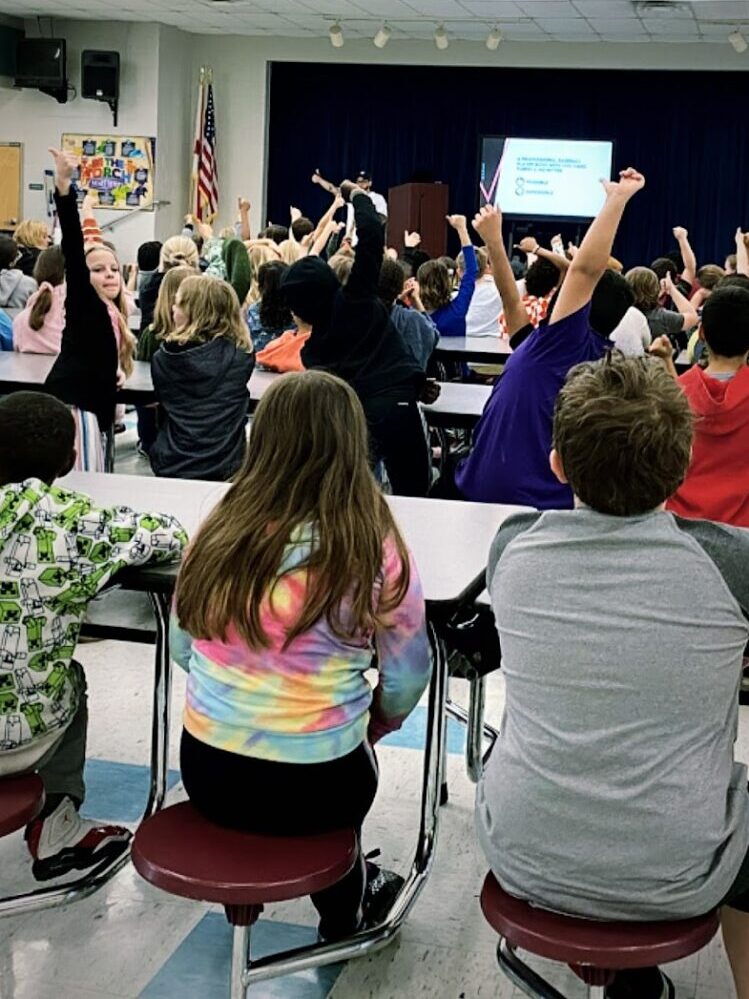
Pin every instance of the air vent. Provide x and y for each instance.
(660, 8)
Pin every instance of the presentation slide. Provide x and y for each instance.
(545, 178)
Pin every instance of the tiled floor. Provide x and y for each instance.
(130, 940)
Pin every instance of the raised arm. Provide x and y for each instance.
(488, 224)
(742, 252)
(663, 348)
(365, 273)
(462, 300)
(79, 292)
(687, 254)
(592, 257)
(327, 218)
(682, 303)
(326, 185)
(244, 230)
(529, 245)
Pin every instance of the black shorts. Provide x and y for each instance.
(738, 893)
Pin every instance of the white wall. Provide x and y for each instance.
(177, 107)
(152, 95)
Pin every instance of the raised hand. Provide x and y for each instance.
(661, 347)
(66, 165)
(629, 183)
(295, 213)
(488, 223)
(680, 232)
(667, 285)
(457, 221)
(243, 205)
(411, 239)
(527, 244)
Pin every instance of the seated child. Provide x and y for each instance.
(435, 285)
(58, 552)
(200, 375)
(482, 318)
(15, 286)
(150, 341)
(612, 791)
(269, 317)
(278, 703)
(509, 460)
(38, 328)
(717, 483)
(285, 352)
(97, 347)
(354, 338)
(414, 324)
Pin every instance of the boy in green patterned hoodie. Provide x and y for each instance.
(57, 551)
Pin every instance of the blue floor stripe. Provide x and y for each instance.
(200, 967)
(118, 791)
(411, 734)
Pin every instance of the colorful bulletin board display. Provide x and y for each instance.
(119, 169)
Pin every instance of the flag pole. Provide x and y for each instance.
(193, 207)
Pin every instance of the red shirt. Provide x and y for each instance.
(717, 483)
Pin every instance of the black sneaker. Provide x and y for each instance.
(382, 889)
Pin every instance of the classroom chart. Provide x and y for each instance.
(118, 171)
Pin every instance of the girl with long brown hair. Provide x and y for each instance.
(294, 584)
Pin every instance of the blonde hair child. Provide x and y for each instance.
(201, 374)
(97, 346)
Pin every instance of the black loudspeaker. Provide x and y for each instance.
(100, 76)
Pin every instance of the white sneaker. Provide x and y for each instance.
(64, 842)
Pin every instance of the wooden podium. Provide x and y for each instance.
(419, 208)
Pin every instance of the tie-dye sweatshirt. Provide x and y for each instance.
(309, 702)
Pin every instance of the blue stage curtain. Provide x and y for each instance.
(686, 131)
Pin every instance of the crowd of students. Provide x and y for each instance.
(621, 602)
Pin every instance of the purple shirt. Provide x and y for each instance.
(509, 462)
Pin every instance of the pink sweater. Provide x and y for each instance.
(47, 339)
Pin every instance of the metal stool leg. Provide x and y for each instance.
(526, 979)
(475, 733)
(240, 959)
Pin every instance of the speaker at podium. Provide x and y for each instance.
(419, 208)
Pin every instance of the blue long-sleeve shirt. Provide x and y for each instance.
(450, 319)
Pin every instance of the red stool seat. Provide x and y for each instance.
(21, 800)
(582, 942)
(180, 851)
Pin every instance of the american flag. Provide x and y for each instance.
(205, 173)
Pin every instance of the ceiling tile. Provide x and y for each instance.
(605, 8)
(548, 8)
(719, 9)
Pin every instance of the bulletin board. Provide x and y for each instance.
(117, 169)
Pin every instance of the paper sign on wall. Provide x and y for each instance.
(117, 169)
